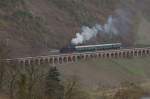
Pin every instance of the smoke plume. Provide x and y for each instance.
(87, 33)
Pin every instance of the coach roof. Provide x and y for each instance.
(100, 45)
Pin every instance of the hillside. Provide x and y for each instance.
(32, 27)
(29, 27)
(143, 32)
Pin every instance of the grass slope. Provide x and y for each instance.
(109, 72)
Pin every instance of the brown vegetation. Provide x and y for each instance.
(129, 91)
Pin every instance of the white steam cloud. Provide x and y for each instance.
(87, 33)
(121, 24)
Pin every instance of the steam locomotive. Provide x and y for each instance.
(90, 48)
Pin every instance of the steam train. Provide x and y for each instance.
(90, 48)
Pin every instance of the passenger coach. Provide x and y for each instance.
(87, 48)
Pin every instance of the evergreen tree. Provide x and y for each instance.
(22, 87)
(54, 89)
(4, 52)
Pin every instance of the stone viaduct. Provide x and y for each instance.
(75, 57)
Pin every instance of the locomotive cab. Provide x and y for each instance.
(68, 49)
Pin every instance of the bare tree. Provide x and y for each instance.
(73, 89)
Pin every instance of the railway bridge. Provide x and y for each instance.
(75, 57)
